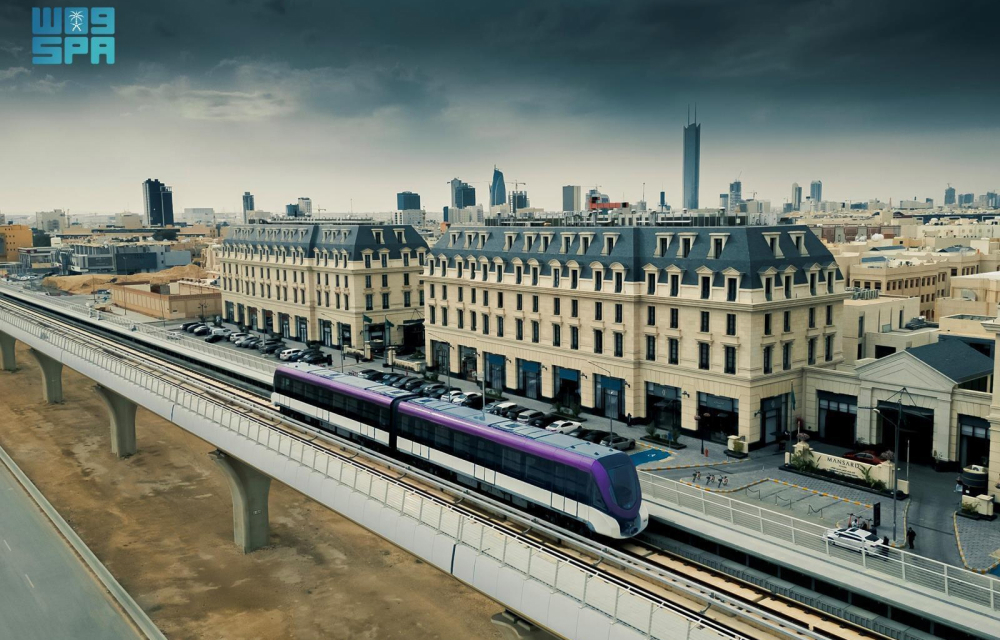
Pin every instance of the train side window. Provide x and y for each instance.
(539, 471)
(596, 499)
(513, 463)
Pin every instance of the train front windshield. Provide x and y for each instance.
(624, 480)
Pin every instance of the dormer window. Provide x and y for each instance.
(731, 284)
(619, 281)
(384, 259)
(812, 283)
(829, 281)
(584, 244)
(662, 244)
(378, 236)
(651, 283)
(773, 244)
(472, 270)
(534, 276)
(400, 234)
(546, 240)
(454, 239)
(517, 275)
(598, 279)
(368, 261)
(529, 240)
(768, 286)
(609, 243)
(788, 286)
(706, 287)
(508, 241)
(567, 240)
(685, 247)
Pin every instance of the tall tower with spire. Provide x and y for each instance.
(692, 160)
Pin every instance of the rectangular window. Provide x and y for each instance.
(433, 311)
(619, 313)
(433, 288)
(444, 316)
(705, 322)
(406, 279)
(486, 324)
(812, 351)
(730, 360)
(499, 300)
(574, 338)
(555, 278)
(788, 322)
(385, 280)
(534, 304)
(619, 344)
(731, 289)
(461, 294)
(767, 324)
(486, 297)
(706, 287)
(598, 341)
(651, 315)
(619, 282)
(519, 329)
(472, 321)
(574, 309)
(385, 300)
(767, 358)
(369, 302)
(499, 326)
(674, 318)
(650, 283)
(598, 280)
(520, 302)
(672, 351)
(812, 284)
(555, 307)
(704, 355)
(556, 335)
(675, 285)
(598, 311)
(461, 319)
(767, 289)
(788, 286)
(472, 293)
(786, 356)
(730, 324)
(829, 315)
(828, 354)
(812, 317)
(651, 348)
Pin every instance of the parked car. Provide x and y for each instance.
(528, 415)
(368, 374)
(471, 399)
(316, 358)
(855, 539)
(868, 457)
(273, 347)
(621, 443)
(595, 436)
(214, 337)
(187, 326)
(402, 382)
(391, 378)
(247, 342)
(437, 391)
(452, 395)
(497, 408)
(543, 420)
(415, 384)
(222, 331)
(563, 426)
(238, 335)
(512, 411)
(203, 330)
(285, 354)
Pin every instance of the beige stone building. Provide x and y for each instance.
(706, 328)
(168, 301)
(876, 325)
(355, 286)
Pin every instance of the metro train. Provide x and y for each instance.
(578, 485)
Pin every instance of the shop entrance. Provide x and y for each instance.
(916, 432)
(838, 418)
(566, 383)
(718, 417)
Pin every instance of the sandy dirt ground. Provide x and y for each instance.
(161, 521)
(89, 283)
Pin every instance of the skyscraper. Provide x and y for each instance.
(407, 201)
(735, 197)
(498, 190)
(571, 198)
(949, 195)
(816, 191)
(158, 202)
(305, 206)
(519, 200)
(462, 194)
(796, 196)
(692, 161)
(247, 204)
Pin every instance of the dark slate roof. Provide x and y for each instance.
(746, 250)
(954, 359)
(312, 238)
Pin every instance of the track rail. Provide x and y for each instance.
(709, 597)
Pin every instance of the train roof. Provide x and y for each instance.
(547, 444)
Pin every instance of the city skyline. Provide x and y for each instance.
(355, 119)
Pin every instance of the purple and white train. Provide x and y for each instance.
(576, 484)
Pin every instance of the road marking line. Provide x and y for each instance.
(7, 545)
(29, 581)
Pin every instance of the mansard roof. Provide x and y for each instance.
(312, 239)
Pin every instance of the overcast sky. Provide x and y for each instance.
(358, 100)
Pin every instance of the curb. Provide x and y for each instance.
(120, 595)
(822, 493)
(961, 551)
(710, 490)
(693, 466)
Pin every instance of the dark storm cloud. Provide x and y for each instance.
(857, 62)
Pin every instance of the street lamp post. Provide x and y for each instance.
(895, 462)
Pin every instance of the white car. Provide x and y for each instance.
(288, 353)
(563, 426)
(225, 333)
(233, 337)
(500, 407)
(855, 539)
(453, 396)
(527, 416)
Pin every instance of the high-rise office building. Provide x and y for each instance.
(966, 199)
(692, 161)
(498, 190)
(735, 196)
(305, 206)
(572, 195)
(519, 200)
(158, 202)
(949, 195)
(247, 204)
(292, 210)
(407, 201)
(816, 191)
(796, 196)
(462, 194)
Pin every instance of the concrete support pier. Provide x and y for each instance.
(250, 488)
(122, 412)
(7, 360)
(51, 377)
(515, 627)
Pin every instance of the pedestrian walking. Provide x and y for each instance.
(911, 535)
(357, 358)
(885, 546)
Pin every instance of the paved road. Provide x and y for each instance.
(45, 591)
